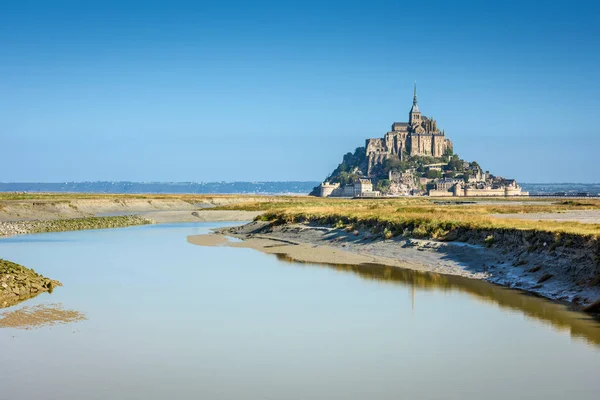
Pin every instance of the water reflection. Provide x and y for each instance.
(166, 319)
(10, 301)
(579, 325)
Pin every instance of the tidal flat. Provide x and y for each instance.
(557, 256)
(492, 239)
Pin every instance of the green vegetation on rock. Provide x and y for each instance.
(18, 283)
(71, 224)
(355, 166)
(351, 168)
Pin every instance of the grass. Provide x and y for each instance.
(421, 215)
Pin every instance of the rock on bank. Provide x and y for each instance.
(18, 283)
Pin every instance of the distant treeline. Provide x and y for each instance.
(295, 187)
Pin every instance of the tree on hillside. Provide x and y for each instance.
(466, 175)
(383, 185)
(350, 163)
(449, 174)
(455, 163)
(433, 173)
(393, 163)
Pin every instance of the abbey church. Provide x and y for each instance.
(419, 136)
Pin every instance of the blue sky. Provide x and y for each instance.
(229, 90)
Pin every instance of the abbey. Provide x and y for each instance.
(413, 159)
(419, 136)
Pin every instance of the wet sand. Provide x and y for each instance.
(309, 245)
(39, 316)
(583, 216)
(199, 216)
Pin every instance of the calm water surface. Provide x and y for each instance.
(167, 319)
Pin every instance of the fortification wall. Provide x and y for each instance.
(484, 192)
(440, 193)
(327, 190)
(515, 192)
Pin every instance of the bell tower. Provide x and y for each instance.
(414, 118)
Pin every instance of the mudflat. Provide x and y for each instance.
(159, 210)
(582, 216)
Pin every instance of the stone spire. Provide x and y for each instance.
(415, 95)
(415, 107)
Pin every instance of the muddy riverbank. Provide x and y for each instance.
(565, 271)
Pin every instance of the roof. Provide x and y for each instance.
(414, 108)
(400, 123)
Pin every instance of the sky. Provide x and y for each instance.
(280, 90)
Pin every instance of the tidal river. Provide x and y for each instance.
(168, 319)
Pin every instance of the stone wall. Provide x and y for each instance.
(458, 191)
(327, 189)
(484, 192)
(440, 193)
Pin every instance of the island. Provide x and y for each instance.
(413, 158)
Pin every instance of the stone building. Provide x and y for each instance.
(420, 136)
(361, 188)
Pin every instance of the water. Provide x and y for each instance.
(285, 187)
(289, 187)
(167, 319)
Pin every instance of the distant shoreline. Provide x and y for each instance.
(197, 188)
(272, 188)
(33, 213)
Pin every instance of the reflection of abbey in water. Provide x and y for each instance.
(419, 136)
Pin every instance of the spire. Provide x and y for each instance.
(415, 107)
(415, 95)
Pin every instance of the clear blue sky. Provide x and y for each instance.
(227, 90)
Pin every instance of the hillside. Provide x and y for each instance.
(419, 173)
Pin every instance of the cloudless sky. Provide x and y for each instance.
(280, 90)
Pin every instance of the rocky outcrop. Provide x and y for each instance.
(18, 283)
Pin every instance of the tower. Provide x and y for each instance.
(414, 118)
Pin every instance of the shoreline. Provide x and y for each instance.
(120, 220)
(19, 283)
(541, 274)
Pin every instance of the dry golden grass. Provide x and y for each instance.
(426, 215)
